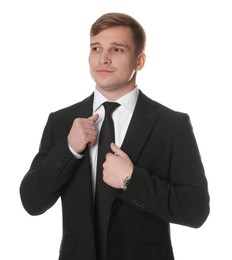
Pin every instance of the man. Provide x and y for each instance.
(120, 207)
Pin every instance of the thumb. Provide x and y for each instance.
(94, 117)
(117, 151)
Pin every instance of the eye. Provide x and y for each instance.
(95, 49)
(117, 50)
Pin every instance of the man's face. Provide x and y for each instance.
(112, 60)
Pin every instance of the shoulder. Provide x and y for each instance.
(163, 111)
(75, 106)
(74, 109)
(167, 119)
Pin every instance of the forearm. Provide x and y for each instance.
(183, 204)
(47, 177)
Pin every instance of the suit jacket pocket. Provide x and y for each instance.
(68, 245)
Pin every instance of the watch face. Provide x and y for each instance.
(126, 182)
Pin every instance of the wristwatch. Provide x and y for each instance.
(126, 182)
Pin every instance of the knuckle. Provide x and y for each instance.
(77, 120)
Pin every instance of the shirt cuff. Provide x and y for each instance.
(75, 154)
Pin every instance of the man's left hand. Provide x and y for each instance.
(117, 167)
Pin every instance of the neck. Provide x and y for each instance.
(114, 95)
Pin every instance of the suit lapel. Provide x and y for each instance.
(84, 108)
(142, 122)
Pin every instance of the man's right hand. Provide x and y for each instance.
(83, 133)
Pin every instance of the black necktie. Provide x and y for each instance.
(104, 194)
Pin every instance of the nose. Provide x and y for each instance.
(105, 58)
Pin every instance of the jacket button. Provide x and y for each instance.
(134, 201)
(93, 246)
(59, 165)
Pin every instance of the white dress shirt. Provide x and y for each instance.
(121, 117)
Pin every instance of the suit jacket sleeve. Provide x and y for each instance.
(182, 198)
(50, 170)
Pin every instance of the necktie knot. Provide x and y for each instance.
(110, 107)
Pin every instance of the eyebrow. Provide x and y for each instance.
(112, 43)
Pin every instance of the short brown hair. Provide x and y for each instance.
(120, 19)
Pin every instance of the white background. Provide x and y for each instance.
(44, 49)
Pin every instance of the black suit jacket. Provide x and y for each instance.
(168, 184)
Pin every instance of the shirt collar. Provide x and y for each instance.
(128, 101)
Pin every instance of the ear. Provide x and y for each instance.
(140, 61)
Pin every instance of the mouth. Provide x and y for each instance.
(104, 71)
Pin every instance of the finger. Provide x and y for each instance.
(117, 151)
(94, 117)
